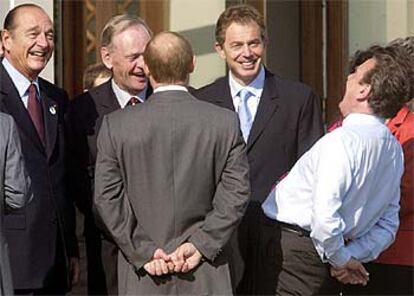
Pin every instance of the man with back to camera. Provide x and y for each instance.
(171, 186)
(123, 41)
(41, 237)
(332, 213)
(280, 120)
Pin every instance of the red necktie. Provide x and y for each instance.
(133, 101)
(35, 112)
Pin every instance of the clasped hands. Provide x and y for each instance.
(353, 272)
(185, 258)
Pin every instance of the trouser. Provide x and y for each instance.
(299, 269)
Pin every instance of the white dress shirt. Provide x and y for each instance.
(345, 190)
(123, 97)
(170, 87)
(20, 82)
(255, 87)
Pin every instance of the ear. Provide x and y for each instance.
(6, 39)
(364, 92)
(106, 57)
(192, 67)
(219, 49)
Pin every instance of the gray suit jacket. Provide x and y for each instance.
(168, 171)
(14, 190)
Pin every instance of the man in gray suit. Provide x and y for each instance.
(14, 190)
(171, 182)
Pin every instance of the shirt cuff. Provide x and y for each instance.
(340, 257)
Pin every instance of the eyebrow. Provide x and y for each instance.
(37, 28)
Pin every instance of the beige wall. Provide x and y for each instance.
(196, 21)
(5, 5)
(379, 21)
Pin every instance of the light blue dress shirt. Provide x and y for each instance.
(255, 88)
(345, 190)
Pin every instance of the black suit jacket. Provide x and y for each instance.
(287, 123)
(37, 233)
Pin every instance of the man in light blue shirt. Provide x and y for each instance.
(339, 204)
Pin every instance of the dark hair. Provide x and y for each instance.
(92, 72)
(241, 14)
(406, 44)
(390, 78)
(118, 24)
(169, 58)
(9, 23)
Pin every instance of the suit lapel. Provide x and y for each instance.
(223, 97)
(14, 106)
(267, 107)
(105, 98)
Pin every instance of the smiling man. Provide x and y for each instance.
(280, 119)
(41, 238)
(123, 42)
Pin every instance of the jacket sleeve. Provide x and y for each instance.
(113, 206)
(230, 200)
(16, 180)
(310, 127)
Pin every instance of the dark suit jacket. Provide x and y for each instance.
(34, 232)
(287, 123)
(170, 170)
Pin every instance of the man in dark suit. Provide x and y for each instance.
(43, 249)
(123, 42)
(280, 120)
(170, 186)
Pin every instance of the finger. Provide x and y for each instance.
(184, 269)
(344, 278)
(160, 254)
(170, 267)
(178, 260)
(164, 267)
(159, 267)
(149, 268)
(164, 256)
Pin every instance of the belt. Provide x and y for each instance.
(294, 229)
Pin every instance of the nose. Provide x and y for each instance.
(139, 61)
(247, 50)
(42, 40)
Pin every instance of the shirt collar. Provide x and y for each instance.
(400, 117)
(123, 96)
(20, 81)
(358, 118)
(255, 87)
(170, 87)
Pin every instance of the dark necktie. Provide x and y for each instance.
(133, 101)
(35, 112)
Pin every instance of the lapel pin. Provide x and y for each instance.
(52, 110)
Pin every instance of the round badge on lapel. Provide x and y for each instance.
(52, 110)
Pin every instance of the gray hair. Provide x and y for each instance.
(118, 24)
